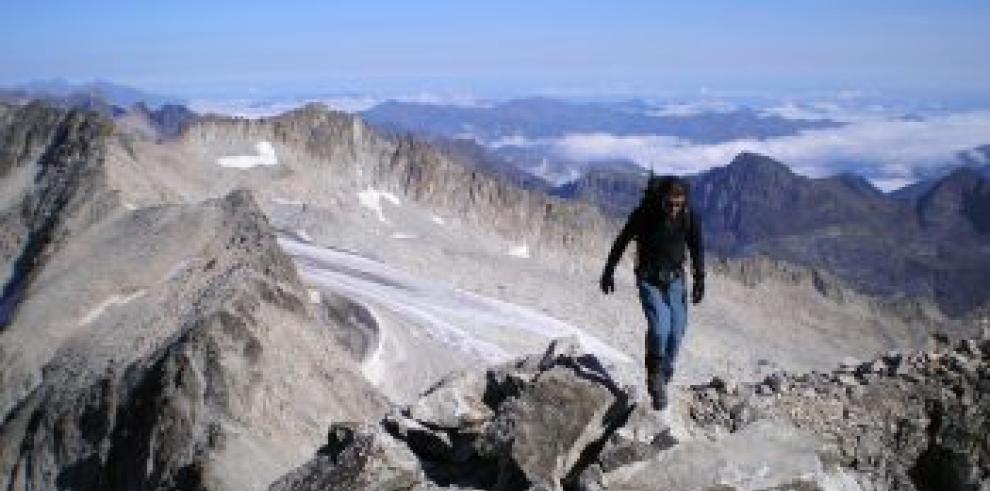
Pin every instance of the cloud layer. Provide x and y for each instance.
(890, 153)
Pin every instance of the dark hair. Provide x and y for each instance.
(659, 187)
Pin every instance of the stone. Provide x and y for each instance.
(425, 442)
(764, 389)
(356, 457)
(766, 455)
(872, 367)
(741, 414)
(457, 401)
(969, 347)
(846, 379)
(848, 364)
(775, 381)
(553, 421)
(592, 479)
(718, 384)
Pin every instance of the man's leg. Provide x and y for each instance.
(676, 301)
(658, 320)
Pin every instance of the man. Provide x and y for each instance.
(662, 225)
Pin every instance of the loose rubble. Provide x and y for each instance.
(902, 421)
(913, 421)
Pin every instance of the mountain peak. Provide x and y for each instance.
(761, 164)
(961, 177)
(857, 182)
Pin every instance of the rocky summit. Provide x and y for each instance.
(914, 421)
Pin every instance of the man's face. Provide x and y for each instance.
(672, 205)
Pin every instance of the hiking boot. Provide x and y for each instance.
(656, 383)
(659, 392)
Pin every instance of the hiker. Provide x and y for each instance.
(662, 224)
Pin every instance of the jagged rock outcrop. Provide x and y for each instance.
(905, 421)
(535, 423)
(357, 458)
(51, 182)
(197, 366)
(901, 422)
(171, 346)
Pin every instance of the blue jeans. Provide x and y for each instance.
(666, 319)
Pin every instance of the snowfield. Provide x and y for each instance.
(265, 157)
(458, 329)
(372, 200)
(520, 251)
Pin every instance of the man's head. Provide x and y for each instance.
(666, 193)
(674, 199)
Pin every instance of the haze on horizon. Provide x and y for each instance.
(630, 47)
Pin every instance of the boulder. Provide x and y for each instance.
(356, 458)
(539, 422)
(765, 455)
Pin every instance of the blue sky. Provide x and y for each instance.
(182, 46)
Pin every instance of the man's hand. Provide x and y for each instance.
(607, 283)
(697, 289)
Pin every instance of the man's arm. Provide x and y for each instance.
(696, 248)
(618, 247)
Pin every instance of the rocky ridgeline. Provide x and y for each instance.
(417, 170)
(167, 347)
(902, 421)
(752, 271)
(51, 182)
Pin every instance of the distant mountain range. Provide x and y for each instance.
(535, 118)
(82, 95)
(163, 115)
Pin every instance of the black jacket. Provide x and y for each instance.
(660, 241)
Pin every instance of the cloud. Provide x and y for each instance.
(247, 107)
(693, 108)
(843, 110)
(888, 152)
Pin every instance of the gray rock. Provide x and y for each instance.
(766, 455)
(552, 422)
(775, 381)
(456, 402)
(356, 458)
(541, 422)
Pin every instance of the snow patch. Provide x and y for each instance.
(314, 296)
(372, 199)
(520, 251)
(303, 235)
(265, 157)
(112, 300)
(288, 202)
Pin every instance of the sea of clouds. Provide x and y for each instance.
(889, 151)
